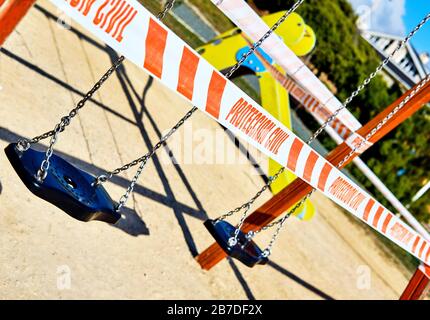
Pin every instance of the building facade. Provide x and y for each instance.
(407, 67)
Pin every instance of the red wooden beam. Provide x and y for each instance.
(416, 286)
(11, 13)
(296, 190)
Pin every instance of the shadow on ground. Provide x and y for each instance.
(132, 223)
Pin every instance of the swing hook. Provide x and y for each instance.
(232, 241)
(266, 253)
(100, 179)
(250, 235)
(23, 145)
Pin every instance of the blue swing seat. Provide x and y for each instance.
(65, 186)
(245, 251)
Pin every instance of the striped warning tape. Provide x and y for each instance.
(340, 133)
(251, 24)
(311, 104)
(149, 44)
(425, 269)
(314, 107)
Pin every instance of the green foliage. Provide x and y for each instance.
(218, 20)
(155, 6)
(348, 59)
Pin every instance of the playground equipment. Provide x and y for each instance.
(276, 206)
(226, 49)
(11, 12)
(242, 15)
(66, 186)
(281, 144)
(339, 130)
(296, 148)
(71, 189)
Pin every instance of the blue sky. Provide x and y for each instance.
(397, 17)
(415, 11)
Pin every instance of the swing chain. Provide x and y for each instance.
(281, 221)
(130, 188)
(369, 78)
(233, 240)
(255, 197)
(108, 175)
(24, 145)
(257, 44)
(386, 118)
(328, 121)
(44, 166)
(169, 5)
(149, 154)
(143, 160)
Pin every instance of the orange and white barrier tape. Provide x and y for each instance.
(251, 24)
(337, 130)
(425, 269)
(130, 29)
(313, 106)
(340, 133)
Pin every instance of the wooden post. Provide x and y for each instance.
(417, 285)
(290, 195)
(11, 13)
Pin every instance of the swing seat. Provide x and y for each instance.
(250, 254)
(65, 186)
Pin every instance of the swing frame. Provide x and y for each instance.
(13, 11)
(286, 198)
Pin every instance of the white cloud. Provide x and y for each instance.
(382, 15)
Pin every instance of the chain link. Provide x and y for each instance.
(255, 197)
(312, 138)
(142, 160)
(169, 5)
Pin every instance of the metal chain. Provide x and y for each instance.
(109, 174)
(371, 76)
(233, 240)
(65, 121)
(325, 124)
(257, 44)
(24, 145)
(142, 160)
(255, 197)
(281, 221)
(169, 5)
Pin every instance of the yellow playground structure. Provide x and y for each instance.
(225, 50)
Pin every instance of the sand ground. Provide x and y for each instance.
(44, 70)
